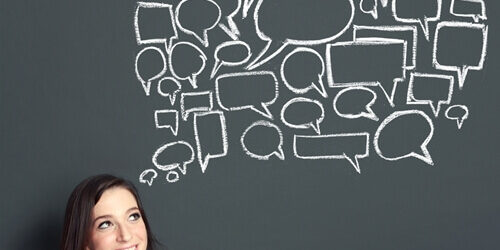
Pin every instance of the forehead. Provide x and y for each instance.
(114, 201)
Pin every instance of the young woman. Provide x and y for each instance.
(105, 212)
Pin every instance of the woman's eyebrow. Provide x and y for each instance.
(101, 217)
(132, 209)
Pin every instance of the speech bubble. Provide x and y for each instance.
(315, 125)
(148, 176)
(369, 7)
(172, 176)
(308, 28)
(431, 14)
(301, 57)
(354, 64)
(169, 87)
(476, 16)
(367, 113)
(223, 57)
(185, 54)
(455, 34)
(146, 80)
(169, 119)
(204, 138)
(237, 86)
(460, 119)
(187, 16)
(424, 155)
(176, 165)
(159, 16)
(229, 11)
(333, 146)
(266, 124)
(424, 89)
(196, 102)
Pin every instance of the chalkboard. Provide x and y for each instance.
(266, 124)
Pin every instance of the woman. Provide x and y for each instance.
(105, 212)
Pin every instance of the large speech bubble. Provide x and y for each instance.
(156, 16)
(187, 16)
(457, 11)
(175, 165)
(304, 57)
(234, 91)
(454, 55)
(367, 113)
(169, 87)
(434, 90)
(229, 9)
(405, 11)
(422, 154)
(167, 118)
(369, 7)
(196, 102)
(148, 176)
(231, 53)
(315, 124)
(182, 61)
(319, 22)
(349, 146)
(205, 126)
(278, 151)
(146, 80)
(460, 118)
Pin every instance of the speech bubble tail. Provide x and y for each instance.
(280, 154)
(231, 33)
(460, 122)
(424, 156)
(202, 37)
(316, 126)
(182, 168)
(462, 74)
(374, 13)
(354, 162)
(390, 97)
(424, 23)
(172, 98)
(169, 44)
(192, 81)
(384, 3)
(435, 108)
(147, 87)
(246, 7)
(204, 163)
(217, 65)
(320, 87)
(264, 111)
(267, 56)
(370, 114)
(174, 130)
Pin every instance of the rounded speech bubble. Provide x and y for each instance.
(190, 21)
(186, 52)
(169, 87)
(264, 124)
(367, 113)
(231, 53)
(432, 14)
(315, 125)
(146, 80)
(450, 114)
(369, 7)
(176, 165)
(148, 176)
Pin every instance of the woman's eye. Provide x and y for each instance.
(134, 217)
(104, 225)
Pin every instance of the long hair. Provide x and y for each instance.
(79, 209)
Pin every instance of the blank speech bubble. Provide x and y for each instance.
(477, 16)
(158, 19)
(454, 55)
(169, 87)
(196, 102)
(367, 113)
(306, 59)
(405, 11)
(205, 126)
(234, 91)
(319, 22)
(190, 21)
(315, 125)
(229, 9)
(369, 7)
(434, 90)
(231, 53)
(148, 176)
(349, 146)
(176, 165)
(278, 152)
(167, 118)
(450, 114)
(146, 80)
(182, 61)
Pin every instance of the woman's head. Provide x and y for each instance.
(105, 212)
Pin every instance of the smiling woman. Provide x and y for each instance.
(105, 212)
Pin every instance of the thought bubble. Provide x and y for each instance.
(231, 53)
(158, 24)
(405, 11)
(148, 176)
(158, 55)
(277, 151)
(367, 113)
(430, 89)
(196, 102)
(169, 87)
(450, 114)
(229, 9)
(207, 126)
(167, 118)
(422, 153)
(234, 91)
(310, 74)
(172, 176)
(190, 21)
(318, 23)
(167, 149)
(314, 124)
(369, 7)
(477, 16)
(182, 61)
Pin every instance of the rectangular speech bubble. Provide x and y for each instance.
(155, 23)
(167, 118)
(196, 102)
(434, 90)
(211, 136)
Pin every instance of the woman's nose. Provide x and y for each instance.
(124, 234)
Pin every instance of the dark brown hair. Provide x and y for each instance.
(79, 209)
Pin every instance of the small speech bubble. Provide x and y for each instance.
(231, 53)
(430, 89)
(247, 90)
(182, 61)
(169, 87)
(277, 151)
(457, 6)
(369, 7)
(206, 125)
(451, 113)
(149, 53)
(314, 124)
(148, 176)
(172, 176)
(196, 102)
(427, 11)
(167, 149)
(192, 21)
(229, 9)
(367, 113)
(167, 118)
(312, 69)
(154, 23)
(423, 154)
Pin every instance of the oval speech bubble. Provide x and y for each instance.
(315, 125)
(146, 81)
(460, 119)
(186, 52)
(266, 124)
(172, 166)
(367, 113)
(199, 26)
(231, 53)
(169, 87)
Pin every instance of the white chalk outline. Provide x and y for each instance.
(174, 129)
(460, 120)
(266, 113)
(462, 70)
(384, 3)
(171, 96)
(246, 7)
(423, 24)
(185, 112)
(232, 31)
(373, 12)
(204, 161)
(475, 17)
(192, 78)
(140, 41)
(410, 98)
(376, 82)
(370, 114)
(256, 63)
(182, 167)
(218, 63)
(426, 157)
(146, 85)
(144, 173)
(279, 153)
(315, 126)
(175, 178)
(203, 40)
(392, 28)
(354, 163)
(318, 87)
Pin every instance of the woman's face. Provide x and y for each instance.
(116, 222)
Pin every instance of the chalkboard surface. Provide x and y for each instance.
(266, 124)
